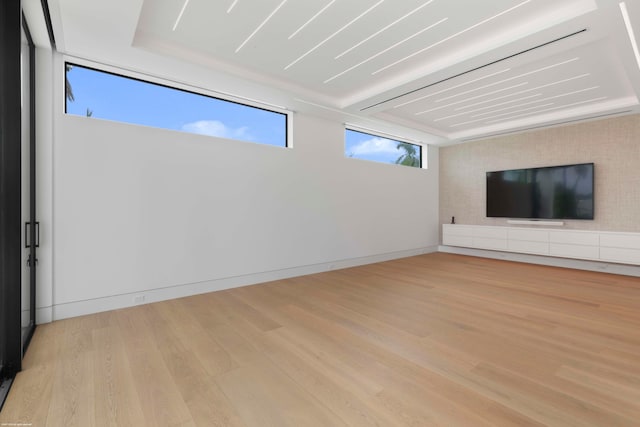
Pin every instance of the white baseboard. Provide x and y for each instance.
(603, 267)
(44, 315)
(113, 302)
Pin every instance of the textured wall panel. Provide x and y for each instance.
(613, 145)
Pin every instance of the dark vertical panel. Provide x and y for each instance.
(10, 188)
(32, 178)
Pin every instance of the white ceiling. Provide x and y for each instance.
(451, 69)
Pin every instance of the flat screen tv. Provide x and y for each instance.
(555, 192)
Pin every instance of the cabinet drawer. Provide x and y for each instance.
(625, 256)
(529, 235)
(629, 241)
(490, 232)
(488, 243)
(541, 248)
(574, 238)
(457, 230)
(450, 240)
(574, 251)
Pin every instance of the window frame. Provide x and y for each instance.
(183, 87)
(395, 138)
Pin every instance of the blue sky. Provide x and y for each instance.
(127, 100)
(370, 147)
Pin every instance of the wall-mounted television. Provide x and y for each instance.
(554, 192)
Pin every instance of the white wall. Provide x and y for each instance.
(147, 212)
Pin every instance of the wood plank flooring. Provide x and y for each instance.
(433, 340)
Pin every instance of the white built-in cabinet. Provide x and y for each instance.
(606, 246)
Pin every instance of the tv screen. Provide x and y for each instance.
(555, 192)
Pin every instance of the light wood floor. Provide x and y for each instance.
(434, 340)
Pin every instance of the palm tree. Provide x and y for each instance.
(410, 157)
(69, 89)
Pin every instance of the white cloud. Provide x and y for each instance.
(375, 146)
(218, 129)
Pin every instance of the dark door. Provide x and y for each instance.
(17, 191)
(10, 189)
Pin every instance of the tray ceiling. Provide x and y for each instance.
(454, 69)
